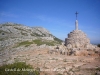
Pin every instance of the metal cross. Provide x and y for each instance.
(76, 14)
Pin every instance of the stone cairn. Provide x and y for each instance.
(77, 43)
(77, 39)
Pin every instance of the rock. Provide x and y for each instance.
(77, 39)
(81, 53)
(11, 33)
(98, 73)
(69, 46)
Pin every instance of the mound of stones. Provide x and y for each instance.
(78, 39)
(77, 44)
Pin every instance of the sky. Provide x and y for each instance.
(57, 16)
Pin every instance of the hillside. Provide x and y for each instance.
(37, 47)
(11, 33)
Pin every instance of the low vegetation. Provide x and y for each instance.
(40, 42)
(98, 68)
(2, 39)
(58, 40)
(26, 43)
(98, 45)
(18, 68)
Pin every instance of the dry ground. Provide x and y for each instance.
(55, 64)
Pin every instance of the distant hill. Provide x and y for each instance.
(11, 33)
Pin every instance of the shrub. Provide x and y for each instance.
(58, 74)
(40, 42)
(98, 45)
(26, 43)
(1, 39)
(98, 68)
(58, 40)
(23, 68)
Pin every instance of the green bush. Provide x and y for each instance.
(18, 68)
(98, 45)
(26, 43)
(40, 42)
(58, 74)
(98, 68)
(1, 39)
(58, 40)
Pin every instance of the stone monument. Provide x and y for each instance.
(77, 44)
(77, 38)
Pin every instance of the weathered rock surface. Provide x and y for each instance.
(77, 58)
(11, 33)
(77, 39)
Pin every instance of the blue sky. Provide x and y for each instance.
(58, 16)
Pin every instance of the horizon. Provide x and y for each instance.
(57, 16)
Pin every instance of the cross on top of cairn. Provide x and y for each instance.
(76, 14)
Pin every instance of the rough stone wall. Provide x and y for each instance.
(77, 39)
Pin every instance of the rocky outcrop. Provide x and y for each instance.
(20, 31)
(11, 33)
